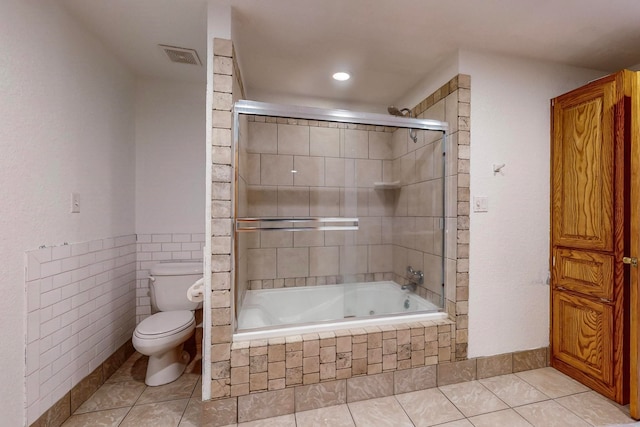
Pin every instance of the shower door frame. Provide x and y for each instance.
(330, 115)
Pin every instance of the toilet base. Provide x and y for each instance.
(167, 367)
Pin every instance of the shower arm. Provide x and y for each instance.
(394, 111)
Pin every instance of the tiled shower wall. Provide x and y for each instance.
(305, 168)
(336, 166)
(81, 309)
(418, 209)
(161, 247)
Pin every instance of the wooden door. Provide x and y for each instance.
(588, 237)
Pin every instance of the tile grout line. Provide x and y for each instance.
(403, 409)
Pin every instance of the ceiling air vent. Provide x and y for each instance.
(181, 54)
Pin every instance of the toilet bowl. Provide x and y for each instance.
(161, 336)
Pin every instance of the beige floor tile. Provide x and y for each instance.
(332, 416)
(551, 382)
(111, 396)
(506, 418)
(550, 414)
(165, 414)
(134, 369)
(594, 409)
(108, 418)
(381, 412)
(192, 415)
(182, 388)
(513, 390)
(281, 421)
(459, 423)
(428, 407)
(472, 398)
(197, 391)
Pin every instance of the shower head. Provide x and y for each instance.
(404, 112)
(394, 111)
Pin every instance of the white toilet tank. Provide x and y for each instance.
(169, 282)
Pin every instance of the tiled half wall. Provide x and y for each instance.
(81, 308)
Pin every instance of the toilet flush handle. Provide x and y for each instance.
(153, 279)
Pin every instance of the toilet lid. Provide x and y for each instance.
(165, 323)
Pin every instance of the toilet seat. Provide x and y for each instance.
(164, 324)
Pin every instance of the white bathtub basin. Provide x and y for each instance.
(270, 313)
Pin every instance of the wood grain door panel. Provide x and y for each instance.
(584, 272)
(583, 335)
(583, 169)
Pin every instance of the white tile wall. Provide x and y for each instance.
(80, 301)
(161, 247)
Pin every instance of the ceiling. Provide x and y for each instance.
(291, 47)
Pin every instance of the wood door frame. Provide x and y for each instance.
(634, 247)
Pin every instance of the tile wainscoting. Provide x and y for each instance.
(153, 248)
(80, 302)
(81, 392)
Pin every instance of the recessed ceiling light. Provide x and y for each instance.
(341, 76)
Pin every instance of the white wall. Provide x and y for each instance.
(509, 250)
(432, 81)
(67, 126)
(170, 157)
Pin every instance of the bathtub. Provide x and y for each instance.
(269, 313)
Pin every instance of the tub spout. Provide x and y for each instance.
(409, 287)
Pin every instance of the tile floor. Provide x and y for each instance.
(124, 400)
(542, 397)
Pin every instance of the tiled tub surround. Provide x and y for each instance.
(354, 389)
(161, 247)
(336, 165)
(452, 101)
(81, 309)
(223, 405)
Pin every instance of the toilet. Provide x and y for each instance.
(161, 336)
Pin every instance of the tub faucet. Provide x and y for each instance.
(416, 277)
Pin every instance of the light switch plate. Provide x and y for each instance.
(481, 204)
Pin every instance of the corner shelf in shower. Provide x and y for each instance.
(386, 185)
